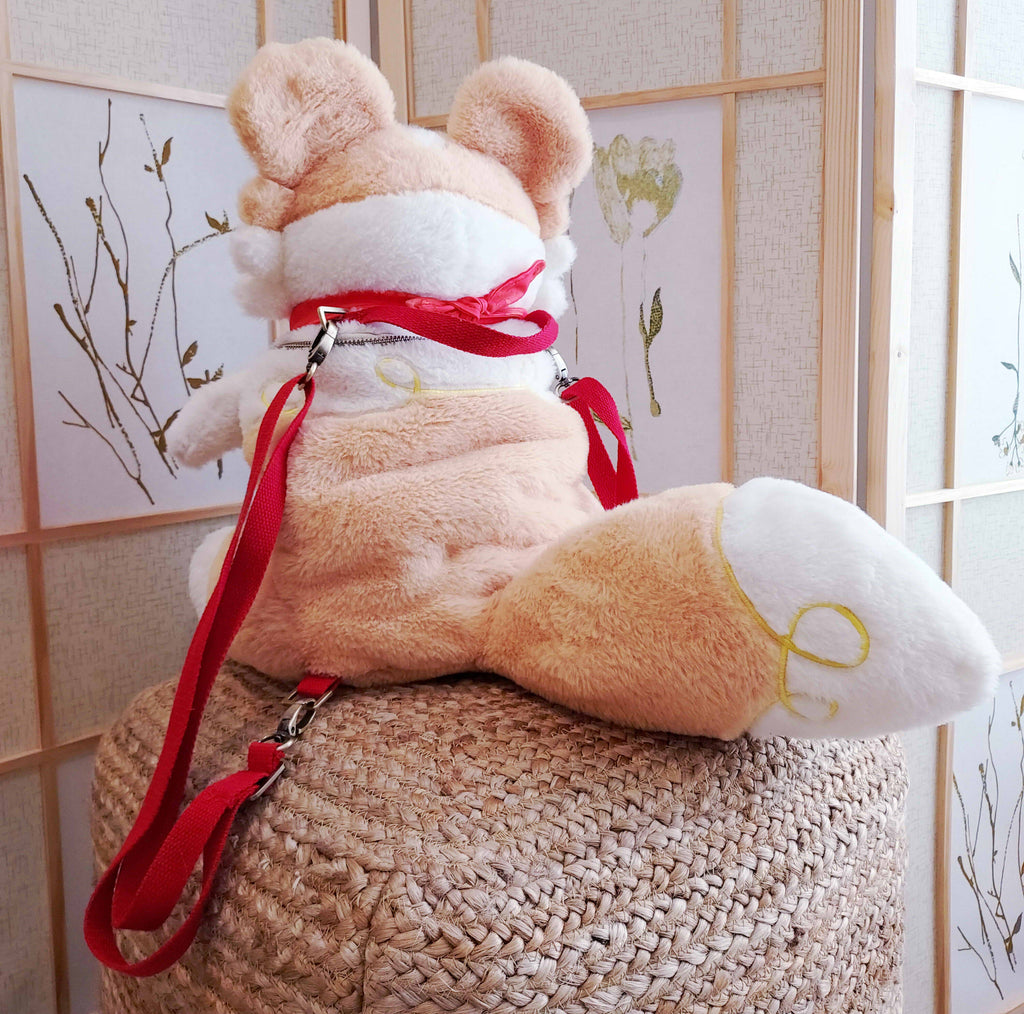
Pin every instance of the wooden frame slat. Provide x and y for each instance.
(146, 89)
(731, 86)
(961, 83)
(840, 268)
(968, 492)
(952, 511)
(483, 30)
(891, 257)
(50, 755)
(728, 355)
(22, 370)
(943, 829)
(115, 526)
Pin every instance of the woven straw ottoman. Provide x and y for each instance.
(463, 846)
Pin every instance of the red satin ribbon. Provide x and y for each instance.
(492, 308)
(149, 874)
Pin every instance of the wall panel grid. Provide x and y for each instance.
(82, 606)
(945, 457)
(789, 80)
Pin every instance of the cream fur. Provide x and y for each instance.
(929, 658)
(354, 380)
(451, 247)
(205, 565)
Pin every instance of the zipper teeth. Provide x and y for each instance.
(391, 339)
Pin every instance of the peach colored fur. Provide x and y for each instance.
(632, 618)
(400, 525)
(530, 120)
(318, 120)
(457, 533)
(389, 162)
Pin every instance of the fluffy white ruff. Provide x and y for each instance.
(354, 379)
(790, 547)
(429, 242)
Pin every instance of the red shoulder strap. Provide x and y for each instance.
(148, 875)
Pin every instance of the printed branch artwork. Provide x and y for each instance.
(637, 186)
(130, 424)
(988, 846)
(1010, 439)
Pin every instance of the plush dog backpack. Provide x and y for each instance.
(421, 506)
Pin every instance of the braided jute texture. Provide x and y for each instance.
(463, 846)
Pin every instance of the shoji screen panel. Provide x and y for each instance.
(947, 468)
(91, 611)
(787, 81)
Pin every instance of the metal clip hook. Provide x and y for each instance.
(562, 378)
(324, 341)
(290, 727)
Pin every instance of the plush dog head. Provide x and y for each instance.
(348, 199)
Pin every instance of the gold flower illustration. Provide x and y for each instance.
(626, 174)
(629, 175)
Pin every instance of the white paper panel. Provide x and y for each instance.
(74, 789)
(119, 619)
(189, 43)
(779, 36)
(936, 34)
(990, 406)
(106, 385)
(10, 469)
(603, 47)
(444, 51)
(18, 714)
(777, 295)
(924, 532)
(26, 960)
(675, 410)
(987, 846)
(997, 36)
(921, 749)
(990, 566)
(929, 307)
(295, 20)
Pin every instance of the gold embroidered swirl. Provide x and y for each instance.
(787, 642)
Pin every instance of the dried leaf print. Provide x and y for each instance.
(1009, 441)
(128, 424)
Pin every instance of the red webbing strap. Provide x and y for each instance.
(315, 685)
(462, 334)
(614, 484)
(148, 875)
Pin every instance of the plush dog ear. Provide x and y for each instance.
(531, 121)
(295, 103)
